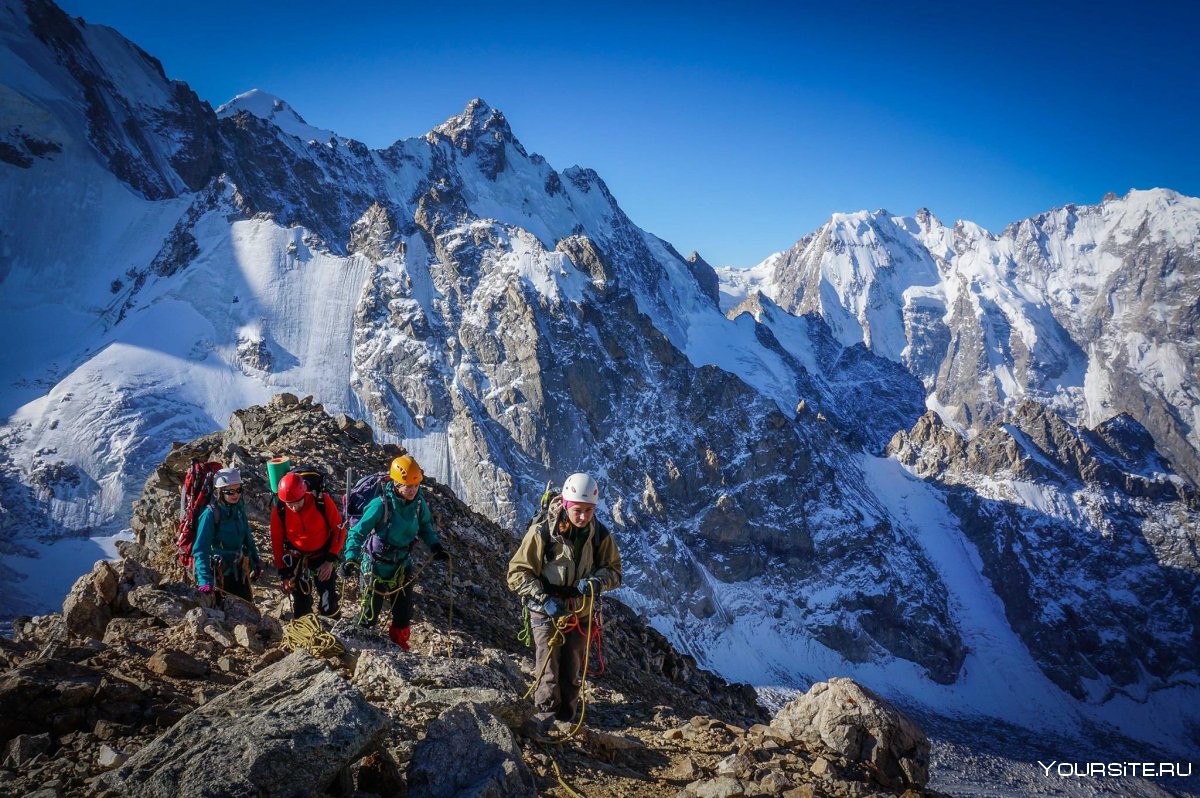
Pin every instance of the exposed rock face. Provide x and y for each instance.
(1098, 574)
(468, 752)
(295, 722)
(398, 681)
(163, 143)
(41, 694)
(843, 719)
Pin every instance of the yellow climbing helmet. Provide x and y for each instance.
(406, 471)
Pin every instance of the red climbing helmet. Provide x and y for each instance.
(292, 488)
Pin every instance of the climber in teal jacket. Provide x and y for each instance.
(224, 532)
(380, 543)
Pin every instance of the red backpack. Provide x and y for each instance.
(197, 494)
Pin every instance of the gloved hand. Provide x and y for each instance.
(373, 546)
(439, 552)
(256, 572)
(325, 571)
(550, 607)
(206, 589)
(590, 582)
(350, 569)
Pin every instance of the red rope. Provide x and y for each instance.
(596, 636)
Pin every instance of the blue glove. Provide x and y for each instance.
(550, 607)
(584, 584)
(350, 569)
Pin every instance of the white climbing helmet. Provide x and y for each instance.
(226, 477)
(581, 488)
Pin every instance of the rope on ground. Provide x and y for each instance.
(307, 632)
(563, 782)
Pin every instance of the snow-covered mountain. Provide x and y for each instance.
(164, 264)
(1090, 310)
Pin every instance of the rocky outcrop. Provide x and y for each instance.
(296, 722)
(401, 683)
(842, 719)
(468, 752)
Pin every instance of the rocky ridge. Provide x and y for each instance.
(140, 684)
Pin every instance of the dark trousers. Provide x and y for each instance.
(307, 585)
(402, 606)
(557, 692)
(238, 585)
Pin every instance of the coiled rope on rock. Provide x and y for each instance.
(307, 632)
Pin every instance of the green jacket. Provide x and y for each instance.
(560, 561)
(224, 532)
(407, 520)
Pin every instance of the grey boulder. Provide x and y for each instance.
(286, 731)
(468, 753)
(842, 718)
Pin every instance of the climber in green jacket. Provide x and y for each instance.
(381, 542)
(224, 552)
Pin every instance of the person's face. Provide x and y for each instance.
(580, 514)
(295, 506)
(407, 492)
(232, 493)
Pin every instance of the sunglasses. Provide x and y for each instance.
(230, 491)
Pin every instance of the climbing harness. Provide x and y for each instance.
(307, 632)
(301, 572)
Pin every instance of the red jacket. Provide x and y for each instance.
(308, 532)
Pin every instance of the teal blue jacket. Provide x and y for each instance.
(407, 520)
(223, 531)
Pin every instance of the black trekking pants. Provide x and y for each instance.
(238, 585)
(402, 606)
(307, 585)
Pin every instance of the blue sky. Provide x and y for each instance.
(735, 129)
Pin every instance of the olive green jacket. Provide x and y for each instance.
(533, 563)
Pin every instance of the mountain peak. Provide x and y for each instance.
(268, 107)
(477, 119)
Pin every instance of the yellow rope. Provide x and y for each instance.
(559, 636)
(587, 651)
(561, 780)
(307, 632)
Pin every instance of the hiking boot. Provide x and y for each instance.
(399, 636)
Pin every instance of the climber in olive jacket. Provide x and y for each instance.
(380, 544)
(567, 558)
